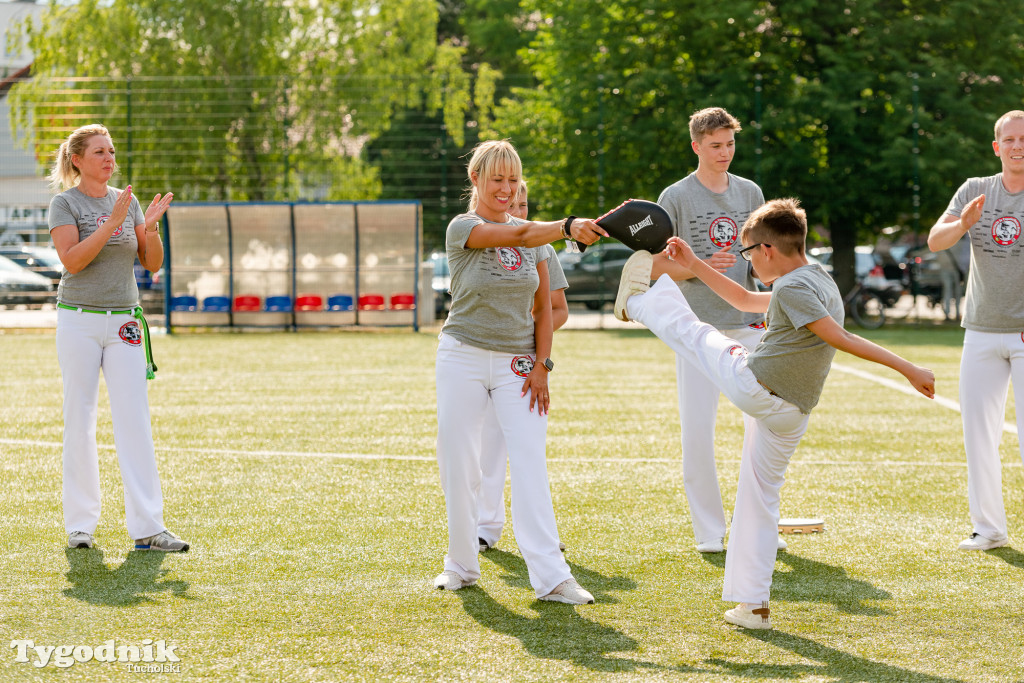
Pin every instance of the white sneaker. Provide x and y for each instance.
(571, 593)
(484, 545)
(79, 539)
(979, 542)
(750, 616)
(782, 544)
(635, 279)
(165, 541)
(715, 546)
(561, 546)
(450, 581)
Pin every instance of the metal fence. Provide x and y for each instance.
(245, 138)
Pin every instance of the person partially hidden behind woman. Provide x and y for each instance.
(98, 231)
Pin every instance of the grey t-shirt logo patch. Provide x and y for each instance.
(1006, 231)
(103, 219)
(723, 232)
(510, 258)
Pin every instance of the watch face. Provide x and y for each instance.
(549, 364)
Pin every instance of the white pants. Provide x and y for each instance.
(493, 467)
(87, 343)
(493, 461)
(770, 440)
(698, 411)
(466, 376)
(988, 363)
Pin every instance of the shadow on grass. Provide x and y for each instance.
(836, 665)
(516, 575)
(558, 631)
(813, 581)
(130, 583)
(1010, 556)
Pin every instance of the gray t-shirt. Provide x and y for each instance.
(710, 221)
(556, 275)
(492, 290)
(791, 360)
(108, 282)
(996, 276)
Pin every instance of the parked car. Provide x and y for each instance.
(884, 279)
(441, 282)
(42, 260)
(593, 276)
(924, 274)
(19, 285)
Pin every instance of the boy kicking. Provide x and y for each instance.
(777, 384)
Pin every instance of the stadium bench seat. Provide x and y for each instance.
(371, 302)
(278, 304)
(403, 302)
(184, 302)
(247, 303)
(309, 302)
(216, 304)
(339, 302)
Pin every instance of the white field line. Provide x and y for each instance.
(897, 386)
(911, 391)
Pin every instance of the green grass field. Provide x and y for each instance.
(301, 467)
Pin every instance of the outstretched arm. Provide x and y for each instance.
(737, 296)
(838, 337)
(532, 233)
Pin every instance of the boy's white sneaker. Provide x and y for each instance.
(79, 539)
(979, 542)
(451, 581)
(570, 592)
(715, 546)
(635, 279)
(750, 615)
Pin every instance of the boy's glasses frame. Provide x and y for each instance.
(745, 251)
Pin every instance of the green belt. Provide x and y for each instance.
(137, 314)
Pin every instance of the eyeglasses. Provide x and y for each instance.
(744, 252)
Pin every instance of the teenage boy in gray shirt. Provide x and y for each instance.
(776, 385)
(990, 211)
(707, 209)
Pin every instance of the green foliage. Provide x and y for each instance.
(240, 99)
(827, 99)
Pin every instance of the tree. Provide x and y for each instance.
(827, 97)
(236, 99)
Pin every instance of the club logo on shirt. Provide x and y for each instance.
(723, 232)
(522, 366)
(130, 333)
(737, 350)
(1006, 231)
(103, 219)
(510, 258)
(758, 326)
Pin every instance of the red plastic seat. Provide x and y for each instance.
(403, 302)
(371, 302)
(246, 302)
(309, 302)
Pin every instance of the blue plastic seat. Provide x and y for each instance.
(183, 302)
(340, 302)
(278, 304)
(217, 304)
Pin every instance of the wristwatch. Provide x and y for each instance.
(549, 364)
